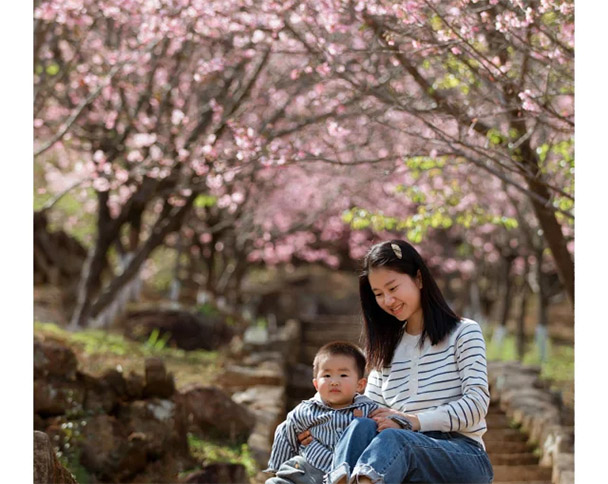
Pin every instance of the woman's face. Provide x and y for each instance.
(396, 293)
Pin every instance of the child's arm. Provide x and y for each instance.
(283, 447)
(318, 453)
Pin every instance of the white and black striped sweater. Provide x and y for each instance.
(445, 385)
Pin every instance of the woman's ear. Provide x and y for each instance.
(419, 279)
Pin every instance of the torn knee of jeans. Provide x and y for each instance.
(342, 471)
(364, 470)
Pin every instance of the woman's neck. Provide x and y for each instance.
(415, 324)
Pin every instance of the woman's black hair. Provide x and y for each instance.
(382, 331)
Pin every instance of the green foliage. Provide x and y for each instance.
(52, 69)
(155, 342)
(426, 217)
(163, 260)
(210, 451)
(559, 366)
(69, 215)
(205, 201)
(436, 22)
(68, 451)
(495, 137)
(207, 309)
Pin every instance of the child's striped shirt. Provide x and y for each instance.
(326, 425)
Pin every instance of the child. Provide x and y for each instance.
(339, 378)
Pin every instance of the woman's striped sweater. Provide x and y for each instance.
(445, 385)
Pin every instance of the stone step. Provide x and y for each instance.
(500, 447)
(505, 435)
(522, 473)
(321, 337)
(495, 420)
(525, 458)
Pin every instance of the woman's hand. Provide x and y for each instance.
(305, 437)
(380, 416)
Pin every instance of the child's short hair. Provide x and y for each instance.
(340, 348)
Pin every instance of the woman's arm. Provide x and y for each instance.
(466, 412)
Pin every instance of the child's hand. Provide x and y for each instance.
(357, 412)
(305, 438)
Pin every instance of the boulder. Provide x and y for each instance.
(159, 425)
(135, 384)
(55, 397)
(158, 383)
(237, 376)
(218, 473)
(100, 397)
(52, 359)
(47, 468)
(210, 411)
(188, 330)
(108, 451)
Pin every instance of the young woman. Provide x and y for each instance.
(428, 372)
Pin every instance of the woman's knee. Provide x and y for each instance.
(365, 426)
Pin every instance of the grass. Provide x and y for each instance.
(99, 350)
(212, 451)
(557, 369)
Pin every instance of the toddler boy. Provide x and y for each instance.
(339, 378)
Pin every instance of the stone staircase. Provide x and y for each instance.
(513, 459)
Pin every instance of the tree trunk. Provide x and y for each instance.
(521, 319)
(94, 264)
(168, 222)
(556, 241)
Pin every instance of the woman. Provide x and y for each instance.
(428, 371)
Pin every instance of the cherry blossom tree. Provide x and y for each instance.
(489, 82)
(265, 132)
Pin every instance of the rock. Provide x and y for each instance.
(100, 397)
(57, 397)
(188, 330)
(222, 472)
(235, 376)
(212, 412)
(159, 425)
(135, 385)
(107, 451)
(158, 382)
(47, 468)
(52, 359)
(261, 396)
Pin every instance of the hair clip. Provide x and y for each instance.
(397, 251)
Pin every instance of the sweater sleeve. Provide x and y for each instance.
(285, 444)
(466, 412)
(373, 390)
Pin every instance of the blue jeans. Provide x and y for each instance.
(395, 456)
(297, 470)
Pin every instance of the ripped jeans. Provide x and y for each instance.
(395, 456)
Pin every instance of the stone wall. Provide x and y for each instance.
(530, 403)
(126, 428)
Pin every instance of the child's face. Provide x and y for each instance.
(337, 380)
